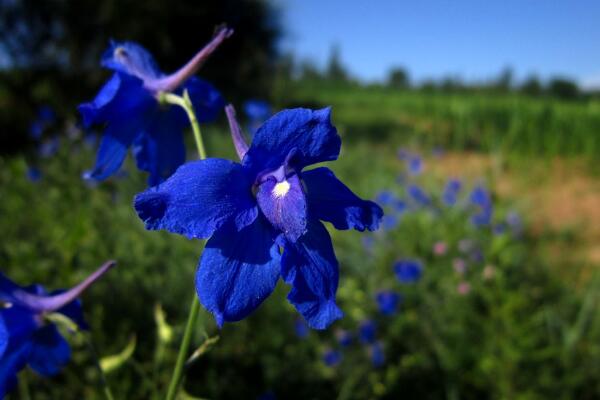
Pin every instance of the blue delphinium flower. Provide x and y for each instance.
(387, 302)
(377, 354)
(250, 210)
(414, 165)
(128, 105)
(367, 331)
(408, 271)
(34, 174)
(480, 197)
(482, 200)
(27, 336)
(344, 337)
(45, 116)
(385, 198)
(399, 206)
(482, 217)
(300, 328)
(257, 112)
(451, 191)
(331, 357)
(390, 222)
(418, 195)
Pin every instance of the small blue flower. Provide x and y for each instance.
(387, 302)
(26, 335)
(390, 222)
(385, 198)
(257, 110)
(332, 358)
(408, 271)
(483, 216)
(414, 164)
(344, 337)
(300, 328)
(377, 354)
(367, 331)
(34, 174)
(480, 197)
(399, 206)
(45, 116)
(36, 130)
(251, 210)
(451, 191)
(128, 106)
(418, 195)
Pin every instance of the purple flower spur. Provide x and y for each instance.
(263, 217)
(28, 336)
(129, 108)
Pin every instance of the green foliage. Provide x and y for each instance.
(512, 124)
(521, 333)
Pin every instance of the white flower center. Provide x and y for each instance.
(281, 189)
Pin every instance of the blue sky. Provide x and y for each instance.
(470, 39)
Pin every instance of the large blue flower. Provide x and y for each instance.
(251, 210)
(129, 108)
(26, 335)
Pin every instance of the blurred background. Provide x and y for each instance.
(476, 125)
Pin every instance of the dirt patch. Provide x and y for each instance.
(556, 195)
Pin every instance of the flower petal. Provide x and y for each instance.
(159, 149)
(284, 205)
(131, 58)
(238, 270)
(206, 99)
(330, 200)
(49, 351)
(4, 335)
(120, 96)
(309, 132)
(11, 363)
(310, 266)
(199, 198)
(117, 138)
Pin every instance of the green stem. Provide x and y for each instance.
(107, 393)
(185, 103)
(183, 349)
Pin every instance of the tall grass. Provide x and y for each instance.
(510, 123)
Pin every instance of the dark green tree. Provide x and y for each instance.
(398, 78)
(532, 86)
(563, 88)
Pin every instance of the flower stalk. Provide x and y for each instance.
(185, 103)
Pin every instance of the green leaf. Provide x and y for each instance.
(204, 347)
(111, 363)
(165, 332)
